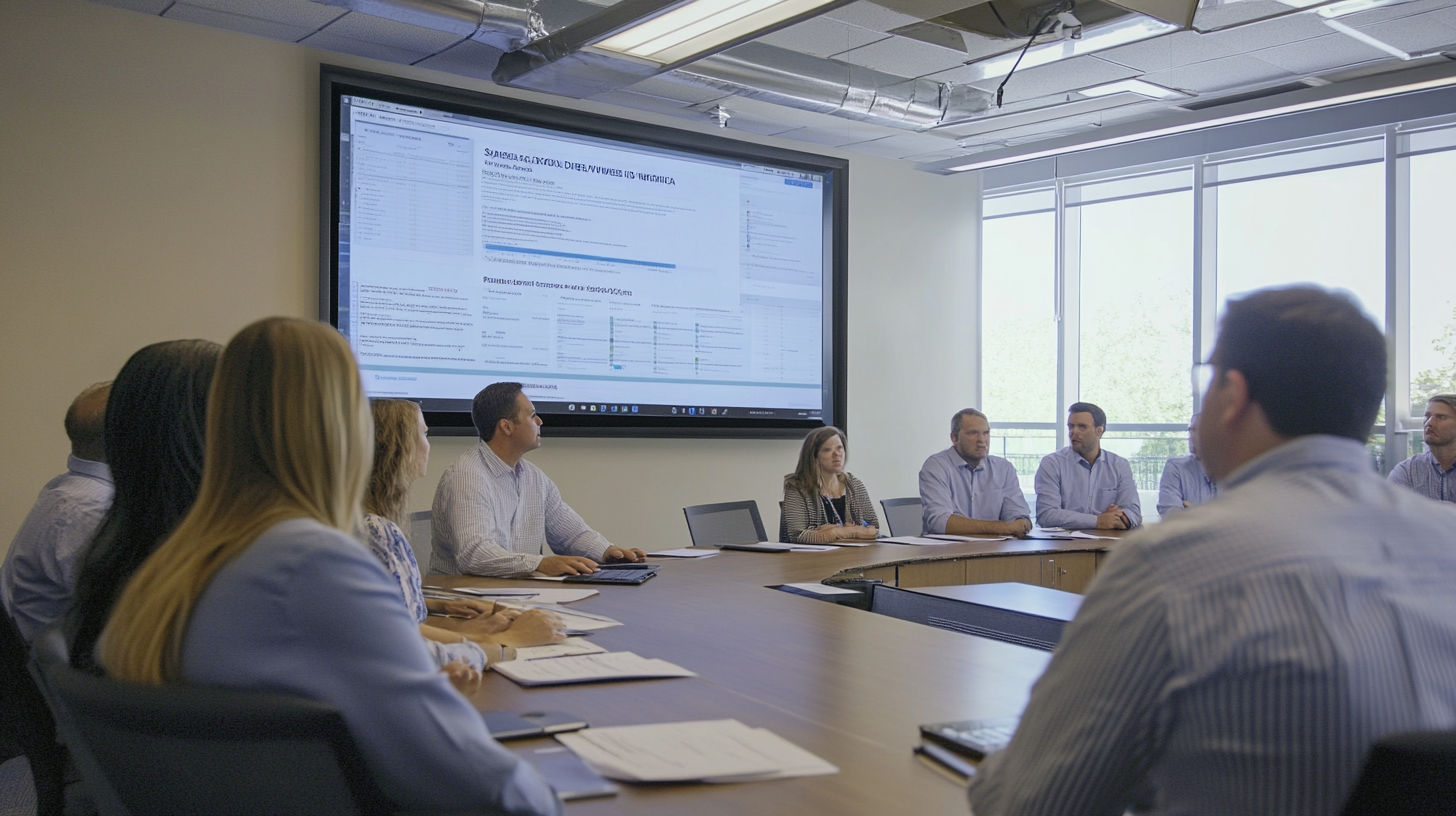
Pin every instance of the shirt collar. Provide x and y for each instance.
(88, 467)
(1303, 453)
(1431, 457)
(956, 457)
(494, 464)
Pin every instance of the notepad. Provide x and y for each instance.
(697, 751)
(590, 668)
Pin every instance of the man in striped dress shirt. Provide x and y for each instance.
(1243, 656)
(1432, 472)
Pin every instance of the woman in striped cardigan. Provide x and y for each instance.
(822, 503)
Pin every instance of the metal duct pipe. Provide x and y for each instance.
(502, 25)
(753, 70)
(785, 77)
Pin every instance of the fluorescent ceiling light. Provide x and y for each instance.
(1136, 86)
(1127, 30)
(1203, 124)
(702, 25)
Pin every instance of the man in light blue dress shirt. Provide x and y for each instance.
(966, 491)
(1185, 483)
(1082, 486)
(1243, 656)
(1432, 472)
(39, 575)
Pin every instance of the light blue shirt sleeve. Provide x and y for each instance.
(1127, 494)
(307, 610)
(1170, 489)
(1013, 507)
(1400, 474)
(936, 503)
(1071, 494)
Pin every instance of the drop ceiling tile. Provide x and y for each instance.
(904, 144)
(1397, 11)
(1058, 78)
(470, 58)
(561, 13)
(868, 15)
(790, 118)
(1221, 74)
(1421, 32)
(359, 48)
(1445, 15)
(643, 102)
(238, 22)
(822, 36)
(143, 6)
(1160, 53)
(289, 12)
(921, 158)
(904, 57)
(1227, 14)
(677, 90)
(1321, 54)
(838, 133)
(403, 36)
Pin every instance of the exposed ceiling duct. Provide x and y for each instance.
(785, 77)
(753, 70)
(505, 26)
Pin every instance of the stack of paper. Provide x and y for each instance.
(703, 750)
(917, 541)
(685, 552)
(944, 537)
(542, 595)
(588, 668)
(572, 618)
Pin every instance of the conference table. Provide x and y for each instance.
(847, 685)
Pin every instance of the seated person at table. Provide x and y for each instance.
(155, 421)
(822, 503)
(1244, 658)
(497, 514)
(40, 568)
(401, 455)
(263, 587)
(1185, 483)
(1082, 486)
(966, 491)
(1432, 472)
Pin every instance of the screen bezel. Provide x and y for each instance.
(336, 82)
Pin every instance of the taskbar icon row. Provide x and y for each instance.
(660, 410)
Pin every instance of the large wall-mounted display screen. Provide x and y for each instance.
(636, 279)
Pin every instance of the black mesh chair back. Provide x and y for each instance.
(903, 516)
(1407, 775)
(713, 525)
(26, 720)
(196, 749)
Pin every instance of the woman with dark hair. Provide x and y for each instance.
(155, 421)
(823, 503)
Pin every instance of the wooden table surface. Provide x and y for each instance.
(848, 685)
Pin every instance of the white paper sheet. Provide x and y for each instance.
(917, 541)
(588, 668)
(961, 538)
(572, 646)
(811, 548)
(684, 552)
(574, 619)
(542, 595)
(702, 750)
(822, 589)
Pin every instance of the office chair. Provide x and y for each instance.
(1407, 775)
(205, 749)
(713, 525)
(903, 516)
(420, 532)
(28, 723)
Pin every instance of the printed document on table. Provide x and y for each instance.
(822, 589)
(944, 537)
(811, 548)
(585, 621)
(917, 541)
(552, 596)
(702, 750)
(572, 646)
(686, 552)
(588, 668)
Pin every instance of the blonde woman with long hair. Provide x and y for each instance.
(401, 455)
(261, 586)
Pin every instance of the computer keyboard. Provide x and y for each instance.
(612, 576)
(974, 738)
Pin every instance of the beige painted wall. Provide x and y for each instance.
(158, 180)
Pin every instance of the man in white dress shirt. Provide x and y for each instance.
(497, 514)
(1244, 655)
(39, 575)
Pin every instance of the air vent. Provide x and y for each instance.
(1204, 104)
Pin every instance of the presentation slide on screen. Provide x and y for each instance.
(592, 272)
